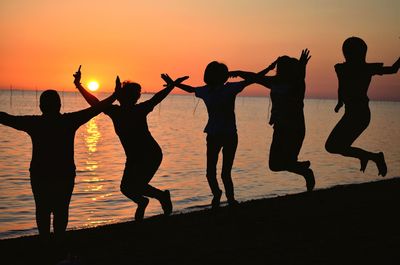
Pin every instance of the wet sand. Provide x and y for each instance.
(352, 224)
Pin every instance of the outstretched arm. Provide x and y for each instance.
(7, 119)
(17, 122)
(392, 69)
(251, 77)
(269, 68)
(90, 98)
(186, 88)
(178, 83)
(159, 96)
(85, 115)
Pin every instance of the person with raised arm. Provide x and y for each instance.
(287, 115)
(354, 76)
(143, 154)
(219, 97)
(52, 168)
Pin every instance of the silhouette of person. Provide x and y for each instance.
(143, 154)
(52, 168)
(219, 97)
(287, 116)
(354, 76)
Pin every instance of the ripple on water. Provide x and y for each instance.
(100, 160)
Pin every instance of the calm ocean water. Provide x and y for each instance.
(177, 124)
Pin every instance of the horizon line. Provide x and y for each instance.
(188, 94)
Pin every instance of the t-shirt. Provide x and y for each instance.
(354, 80)
(52, 140)
(130, 124)
(220, 103)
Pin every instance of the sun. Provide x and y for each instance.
(93, 85)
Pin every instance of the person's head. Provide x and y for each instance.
(216, 73)
(287, 67)
(50, 102)
(130, 93)
(354, 50)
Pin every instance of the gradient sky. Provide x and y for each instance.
(44, 41)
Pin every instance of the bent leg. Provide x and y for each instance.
(131, 192)
(128, 189)
(348, 129)
(147, 172)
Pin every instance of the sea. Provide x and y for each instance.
(177, 124)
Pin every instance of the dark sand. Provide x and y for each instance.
(353, 224)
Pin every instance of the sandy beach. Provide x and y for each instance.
(352, 224)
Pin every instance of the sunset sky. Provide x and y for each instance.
(44, 41)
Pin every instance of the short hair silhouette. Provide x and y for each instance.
(50, 102)
(216, 73)
(130, 93)
(354, 49)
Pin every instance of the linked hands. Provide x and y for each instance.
(169, 82)
(246, 75)
(272, 65)
(233, 74)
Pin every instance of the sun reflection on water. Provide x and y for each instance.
(91, 140)
(93, 135)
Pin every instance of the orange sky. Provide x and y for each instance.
(44, 41)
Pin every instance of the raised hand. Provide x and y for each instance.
(118, 86)
(77, 76)
(305, 56)
(167, 79)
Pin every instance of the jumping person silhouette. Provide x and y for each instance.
(52, 168)
(143, 154)
(354, 77)
(219, 97)
(287, 116)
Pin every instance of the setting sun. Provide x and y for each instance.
(93, 85)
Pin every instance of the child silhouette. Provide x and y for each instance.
(143, 154)
(354, 76)
(219, 97)
(287, 116)
(52, 169)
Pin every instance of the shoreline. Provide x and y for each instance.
(354, 223)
